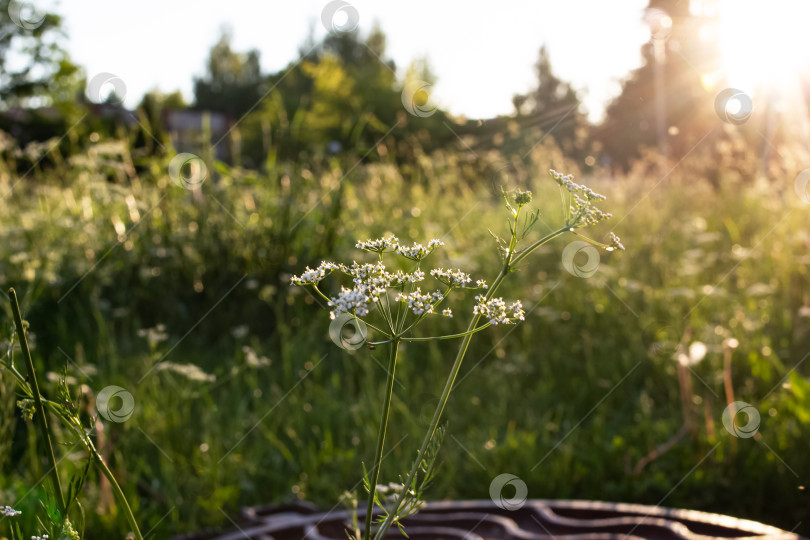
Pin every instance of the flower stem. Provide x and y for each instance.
(42, 419)
(462, 351)
(449, 336)
(375, 472)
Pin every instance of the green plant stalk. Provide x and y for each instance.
(119, 494)
(32, 390)
(42, 420)
(375, 474)
(73, 423)
(88, 445)
(462, 351)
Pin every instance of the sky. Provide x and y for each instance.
(482, 52)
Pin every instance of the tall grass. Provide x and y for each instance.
(103, 252)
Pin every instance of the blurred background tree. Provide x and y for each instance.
(663, 103)
(233, 83)
(554, 107)
(39, 84)
(339, 98)
(34, 68)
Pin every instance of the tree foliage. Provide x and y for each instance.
(33, 64)
(553, 106)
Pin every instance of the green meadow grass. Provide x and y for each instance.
(569, 401)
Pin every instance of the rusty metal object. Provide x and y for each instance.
(483, 520)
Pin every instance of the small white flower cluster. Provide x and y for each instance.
(7, 511)
(370, 278)
(417, 252)
(451, 278)
(155, 334)
(349, 300)
(189, 371)
(254, 360)
(43, 537)
(615, 243)
(371, 281)
(567, 181)
(364, 271)
(313, 277)
(399, 277)
(495, 309)
(380, 245)
(457, 279)
(582, 213)
(421, 303)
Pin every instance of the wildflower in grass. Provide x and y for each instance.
(420, 303)
(240, 331)
(615, 243)
(254, 360)
(451, 278)
(8, 511)
(401, 278)
(310, 276)
(371, 279)
(351, 301)
(361, 272)
(581, 212)
(380, 245)
(496, 310)
(189, 371)
(154, 335)
(417, 252)
(397, 299)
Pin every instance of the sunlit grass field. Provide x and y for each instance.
(183, 299)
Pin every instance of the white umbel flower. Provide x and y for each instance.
(582, 213)
(380, 245)
(7, 511)
(362, 272)
(497, 312)
(313, 277)
(417, 252)
(420, 303)
(371, 277)
(400, 278)
(451, 278)
(615, 243)
(351, 300)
